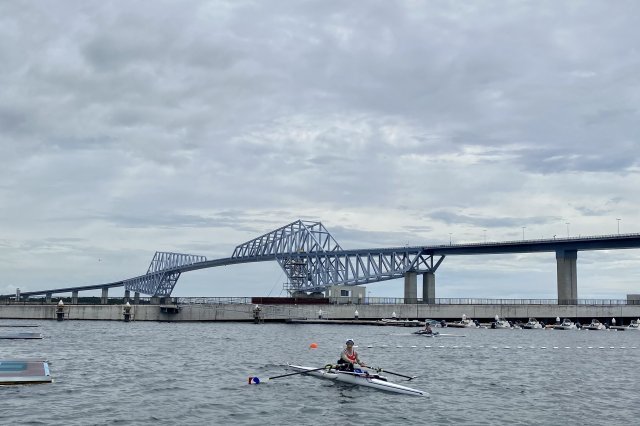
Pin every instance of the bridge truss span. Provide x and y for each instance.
(298, 236)
(162, 274)
(321, 270)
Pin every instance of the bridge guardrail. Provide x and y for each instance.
(334, 300)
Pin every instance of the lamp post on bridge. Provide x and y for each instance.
(485, 235)
(523, 228)
(618, 226)
(449, 238)
(567, 223)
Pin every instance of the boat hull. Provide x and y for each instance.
(532, 326)
(361, 380)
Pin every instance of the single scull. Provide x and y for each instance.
(362, 379)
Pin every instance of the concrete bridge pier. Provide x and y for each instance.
(48, 298)
(104, 300)
(429, 287)
(567, 277)
(74, 297)
(127, 296)
(136, 298)
(410, 288)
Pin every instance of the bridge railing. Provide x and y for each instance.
(484, 301)
(334, 300)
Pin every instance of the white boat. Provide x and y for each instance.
(634, 325)
(467, 323)
(362, 379)
(435, 323)
(464, 323)
(532, 324)
(595, 325)
(566, 324)
(501, 323)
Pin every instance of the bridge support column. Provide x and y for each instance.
(127, 296)
(429, 288)
(48, 297)
(136, 298)
(104, 300)
(410, 287)
(74, 297)
(567, 277)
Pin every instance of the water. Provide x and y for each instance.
(196, 373)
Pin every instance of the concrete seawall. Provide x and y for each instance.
(244, 312)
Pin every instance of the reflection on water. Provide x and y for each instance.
(196, 373)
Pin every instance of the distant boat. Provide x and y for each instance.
(532, 324)
(635, 325)
(595, 325)
(566, 324)
(465, 323)
(501, 323)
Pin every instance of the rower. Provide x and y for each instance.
(427, 328)
(348, 357)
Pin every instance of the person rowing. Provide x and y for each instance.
(349, 357)
(427, 328)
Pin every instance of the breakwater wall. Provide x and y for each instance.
(245, 312)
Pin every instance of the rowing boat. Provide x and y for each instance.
(362, 379)
(436, 334)
(426, 333)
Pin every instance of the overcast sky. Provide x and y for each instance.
(133, 127)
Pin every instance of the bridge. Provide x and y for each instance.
(313, 261)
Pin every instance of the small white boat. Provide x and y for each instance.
(464, 323)
(595, 325)
(634, 325)
(363, 378)
(501, 323)
(532, 324)
(566, 324)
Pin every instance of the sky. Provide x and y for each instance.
(194, 126)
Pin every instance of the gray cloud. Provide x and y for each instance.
(200, 125)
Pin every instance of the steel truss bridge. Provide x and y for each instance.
(313, 260)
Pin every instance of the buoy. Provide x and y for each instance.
(313, 346)
(60, 311)
(126, 312)
(254, 381)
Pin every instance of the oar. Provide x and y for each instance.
(256, 380)
(396, 374)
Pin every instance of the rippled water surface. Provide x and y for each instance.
(196, 373)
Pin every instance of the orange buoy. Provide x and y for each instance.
(313, 346)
